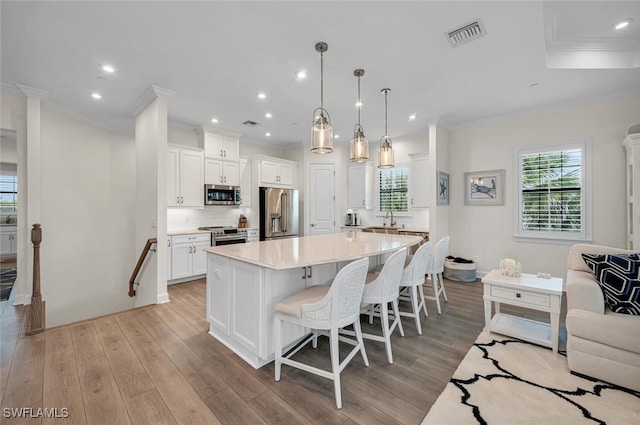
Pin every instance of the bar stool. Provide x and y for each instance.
(325, 308)
(435, 269)
(381, 289)
(412, 281)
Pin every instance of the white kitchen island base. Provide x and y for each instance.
(246, 281)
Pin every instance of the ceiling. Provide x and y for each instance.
(217, 56)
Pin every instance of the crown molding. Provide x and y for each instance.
(551, 107)
(32, 92)
(11, 89)
(148, 96)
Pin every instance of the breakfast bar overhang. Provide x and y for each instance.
(246, 281)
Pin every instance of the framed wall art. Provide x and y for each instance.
(484, 188)
(443, 188)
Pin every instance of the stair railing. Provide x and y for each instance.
(143, 255)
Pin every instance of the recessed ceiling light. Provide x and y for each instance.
(108, 68)
(267, 134)
(622, 24)
(262, 95)
(336, 136)
(532, 85)
(412, 117)
(268, 115)
(214, 120)
(96, 96)
(301, 75)
(358, 104)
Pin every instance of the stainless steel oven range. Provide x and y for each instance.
(223, 235)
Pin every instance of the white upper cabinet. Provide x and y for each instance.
(360, 185)
(185, 177)
(217, 171)
(219, 144)
(275, 172)
(419, 181)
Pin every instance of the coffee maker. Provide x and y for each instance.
(351, 218)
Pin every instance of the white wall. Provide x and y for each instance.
(88, 199)
(486, 231)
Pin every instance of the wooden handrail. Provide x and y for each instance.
(143, 255)
(36, 308)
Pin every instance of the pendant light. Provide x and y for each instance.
(386, 148)
(359, 147)
(321, 132)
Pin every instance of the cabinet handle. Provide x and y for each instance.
(221, 152)
(225, 154)
(225, 179)
(304, 272)
(220, 179)
(411, 201)
(363, 202)
(518, 295)
(309, 274)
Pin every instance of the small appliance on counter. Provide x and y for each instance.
(351, 218)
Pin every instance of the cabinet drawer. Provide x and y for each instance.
(191, 238)
(521, 296)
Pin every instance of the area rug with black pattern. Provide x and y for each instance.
(507, 381)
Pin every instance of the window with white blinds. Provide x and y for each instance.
(394, 189)
(553, 192)
(8, 192)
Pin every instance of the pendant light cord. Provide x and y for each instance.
(321, 82)
(386, 133)
(359, 103)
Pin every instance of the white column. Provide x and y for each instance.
(151, 191)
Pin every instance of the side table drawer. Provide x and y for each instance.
(521, 296)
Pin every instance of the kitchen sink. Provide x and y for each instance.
(382, 229)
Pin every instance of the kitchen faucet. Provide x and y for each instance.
(384, 220)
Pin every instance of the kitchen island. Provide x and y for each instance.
(246, 281)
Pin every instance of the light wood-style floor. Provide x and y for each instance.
(158, 365)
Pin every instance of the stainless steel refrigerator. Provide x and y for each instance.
(278, 213)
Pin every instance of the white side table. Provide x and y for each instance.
(527, 291)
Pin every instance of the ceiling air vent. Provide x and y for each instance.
(466, 33)
(251, 123)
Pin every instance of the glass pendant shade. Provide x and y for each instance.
(321, 133)
(386, 153)
(386, 148)
(359, 147)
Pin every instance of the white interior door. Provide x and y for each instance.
(321, 199)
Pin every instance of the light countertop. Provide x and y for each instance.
(306, 251)
(185, 232)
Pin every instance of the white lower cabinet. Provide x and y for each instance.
(8, 244)
(187, 256)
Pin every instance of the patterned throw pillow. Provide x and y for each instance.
(619, 278)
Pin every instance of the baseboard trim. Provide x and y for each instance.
(163, 298)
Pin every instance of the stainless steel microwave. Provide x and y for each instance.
(215, 194)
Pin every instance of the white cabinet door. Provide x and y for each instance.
(286, 174)
(359, 182)
(213, 173)
(419, 181)
(246, 183)
(269, 172)
(181, 261)
(7, 244)
(231, 148)
(231, 173)
(192, 178)
(200, 258)
(173, 177)
(185, 177)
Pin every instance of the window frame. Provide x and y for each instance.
(585, 235)
(406, 165)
